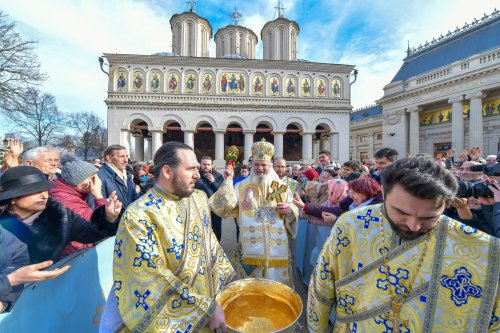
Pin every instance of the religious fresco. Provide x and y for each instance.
(138, 81)
(173, 83)
(232, 83)
(274, 86)
(490, 108)
(155, 82)
(306, 87)
(321, 88)
(208, 84)
(121, 81)
(290, 87)
(257, 85)
(336, 90)
(190, 80)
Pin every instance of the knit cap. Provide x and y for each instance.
(75, 171)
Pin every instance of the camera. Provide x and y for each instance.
(468, 189)
(492, 170)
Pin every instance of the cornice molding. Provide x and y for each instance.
(207, 63)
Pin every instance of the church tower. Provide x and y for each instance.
(279, 37)
(235, 41)
(191, 33)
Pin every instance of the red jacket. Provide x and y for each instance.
(76, 201)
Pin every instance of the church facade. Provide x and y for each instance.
(445, 95)
(234, 99)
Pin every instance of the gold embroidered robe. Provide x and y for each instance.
(292, 184)
(168, 265)
(456, 289)
(263, 232)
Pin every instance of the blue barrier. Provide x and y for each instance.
(72, 302)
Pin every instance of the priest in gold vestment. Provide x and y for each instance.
(168, 265)
(404, 267)
(263, 206)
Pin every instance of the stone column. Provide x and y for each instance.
(248, 145)
(315, 149)
(457, 123)
(125, 139)
(324, 143)
(334, 146)
(189, 138)
(307, 147)
(219, 161)
(414, 138)
(156, 142)
(149, 155)
(354, 152)
(476, 119)
(370, 151)
(278, 144)
(139, 147)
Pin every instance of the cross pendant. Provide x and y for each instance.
(396, 320)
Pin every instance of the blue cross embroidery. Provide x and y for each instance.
(176, 249)
(423, 299)
(385, 249)
(344, 302)
(117, 285)
(195, 237)
(151, 228)
(341, 241)
(388, 327)
(118, 245)
(154, 201)
(368, 218)
(141, 299)
(205, 219)
(394, 280)
(324, 273)
(313, 316)
(149, 241)
(188, 328)
(461, 286)
(178, 219)
(202, 267)
(360, 265)
(354, 328)
(468, 229)
(494, 319)
(176, 303)
(146, 255)
(223, 257)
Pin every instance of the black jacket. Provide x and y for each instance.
(13, 255)
(112, 182)
(206, 186)
(55, 227)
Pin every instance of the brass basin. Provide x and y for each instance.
(259, 306)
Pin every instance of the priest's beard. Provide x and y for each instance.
(182, 189)
(404, 234)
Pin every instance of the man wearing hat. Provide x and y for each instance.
(42, 223)
(262, 203)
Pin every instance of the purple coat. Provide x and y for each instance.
(337, 210)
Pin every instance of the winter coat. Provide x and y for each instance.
(51, 231)
(112, 182)
(337, 210)
(13, 255)
(76, 201)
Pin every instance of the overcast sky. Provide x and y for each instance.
(373, 35)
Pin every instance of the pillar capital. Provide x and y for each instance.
(189, 130)
(277, 132)
(219, 131)
(413, 109)
(456, 99)
(476, 94)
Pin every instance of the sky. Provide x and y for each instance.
(372, 35)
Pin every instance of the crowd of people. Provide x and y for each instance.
(375, 217)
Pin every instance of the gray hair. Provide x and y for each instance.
(32, 154)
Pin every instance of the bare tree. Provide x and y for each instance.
(37, 117)
(19, 67)
(88, 128)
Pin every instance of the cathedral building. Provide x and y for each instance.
(446, 94)
(233, 99)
